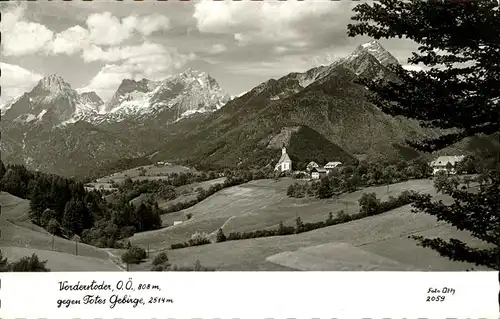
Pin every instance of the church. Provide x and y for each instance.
(285, 163)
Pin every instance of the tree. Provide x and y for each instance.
(134, 255)
(353, 182)
(329, 219)
(4, 263)
(325, 190)
(369, 204)
(440, 181)
(459, 44)
(388, 176)
(37, 203)
(220, 236)
(76, 217)
(477, 213)
(54, 227)
(422, 168)
(299, 225)
(48, 215)
(467, 165)
(13, 183)
(160, 262)
(161, 258)
(281, 228)
(2, 170)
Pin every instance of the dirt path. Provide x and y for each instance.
(116, 260)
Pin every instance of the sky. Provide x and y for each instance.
(95, 45)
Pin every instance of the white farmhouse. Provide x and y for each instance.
(331, 165)
(285, 163)
(441, 163)
(311, 165)
(318, 172)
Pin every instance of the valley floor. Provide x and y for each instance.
(374, 243)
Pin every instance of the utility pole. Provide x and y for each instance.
(52, 242)
(76, 238)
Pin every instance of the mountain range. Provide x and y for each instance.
(188, 118)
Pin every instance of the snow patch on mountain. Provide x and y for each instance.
(180, 95)
(41, 114)
(377, 50)
(52, 100)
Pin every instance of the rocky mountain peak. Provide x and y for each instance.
(194, 73)
(52, 83)
(375, 49)
(91, 98)
(129, 85)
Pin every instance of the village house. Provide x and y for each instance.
(285, 163)
(311, 165)
(332, 165)
(318, 172)
(441, 163)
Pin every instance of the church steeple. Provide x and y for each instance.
(283, 150)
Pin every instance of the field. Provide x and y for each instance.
(152, 172)
(258, 205)
(21, 238)
(375, 243)
(189, 192)
(186, 193)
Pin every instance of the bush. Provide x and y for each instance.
(440, 181)
(134, 255)
(29, 264)
(299, 225)
(220, 236)
(54, 227)
(160, 262)
(161, 258)
(198, 239)
(179, 245)
(369, 204)
(329, 219)
(342, 217)
(196, 267)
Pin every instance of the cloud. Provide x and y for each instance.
(70, 41)
(153, 66)
(273, 23)
(274, 68)
(16, 80)
(21, 37)
(217, 49)
(149, 24)
(106, 29)
(114, 54)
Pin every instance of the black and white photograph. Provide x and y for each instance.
(250, 135)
